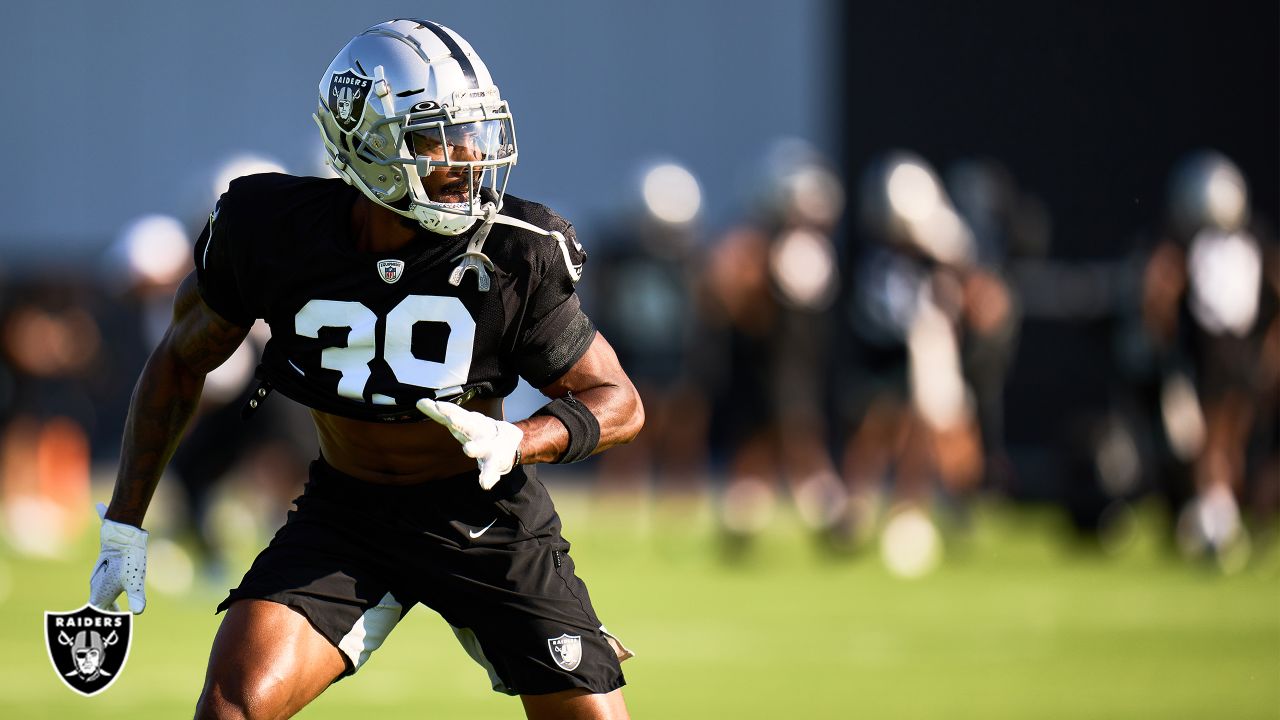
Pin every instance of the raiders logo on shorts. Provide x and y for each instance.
(566, 650)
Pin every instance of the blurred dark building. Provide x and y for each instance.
(1089, 105)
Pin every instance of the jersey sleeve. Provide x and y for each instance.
(221, 268)
(556, 332)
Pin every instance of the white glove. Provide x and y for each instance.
(493, 443)
(121, 566)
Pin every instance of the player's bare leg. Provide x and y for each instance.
(869, 452)
(749, 499)
(575, 705)
(267, 662)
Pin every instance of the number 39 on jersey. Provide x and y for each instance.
(352, 361)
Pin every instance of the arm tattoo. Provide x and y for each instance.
(166, 396)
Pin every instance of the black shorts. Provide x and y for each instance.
(354, 557)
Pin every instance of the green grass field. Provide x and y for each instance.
(1014, 625)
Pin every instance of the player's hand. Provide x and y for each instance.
(121, 566)
(493, 443)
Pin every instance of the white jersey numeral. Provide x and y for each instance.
(411, 370)
(353, 360)
(362, 348)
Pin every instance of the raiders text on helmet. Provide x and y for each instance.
(404, 98)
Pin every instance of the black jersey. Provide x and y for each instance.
(365, 335)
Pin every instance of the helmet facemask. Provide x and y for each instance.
(450, 156)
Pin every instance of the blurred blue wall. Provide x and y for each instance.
(117, 109)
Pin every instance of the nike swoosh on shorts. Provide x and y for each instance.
(477, 533)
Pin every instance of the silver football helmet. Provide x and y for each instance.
(409, 98)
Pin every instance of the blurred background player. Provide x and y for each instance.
(918, 299)
(771, 283)
(50, 347)
(1007, 223)
(1209, 311)
(645, 291)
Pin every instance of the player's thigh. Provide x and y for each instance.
(267, 661)
(575, 705)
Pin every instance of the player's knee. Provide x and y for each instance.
(234, 697)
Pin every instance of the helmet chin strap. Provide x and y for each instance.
(473, 258)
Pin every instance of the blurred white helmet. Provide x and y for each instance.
(1207, 190)
(797, 185)
(404, 98)
(670, 194)
(904, 201)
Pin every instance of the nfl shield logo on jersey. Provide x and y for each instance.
(389, 270)
(88, 647)
(566, 650)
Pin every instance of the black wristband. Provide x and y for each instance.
(584, 429)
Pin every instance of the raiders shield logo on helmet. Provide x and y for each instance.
(347, 94)
(88, 647)
(566, 650)
(389, 270)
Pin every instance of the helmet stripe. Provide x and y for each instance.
(464, 62)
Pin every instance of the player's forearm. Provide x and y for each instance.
(616, 407)
(163, 402)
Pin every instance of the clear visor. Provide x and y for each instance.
(441, 145)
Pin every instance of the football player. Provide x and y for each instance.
(770, 286)
(405, 300)
(1210, 310)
